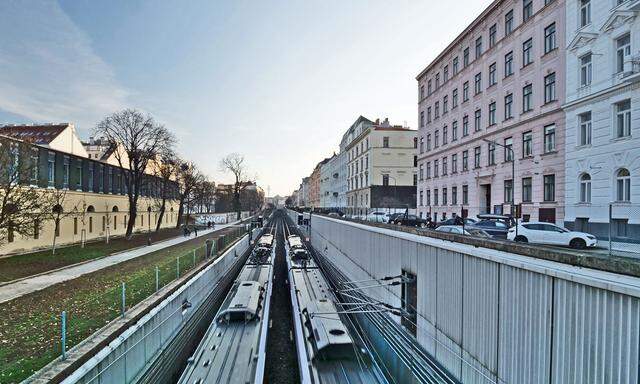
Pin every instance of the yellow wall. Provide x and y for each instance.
(103, 204)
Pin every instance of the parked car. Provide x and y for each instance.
(411, 221)
(467, 231)
(377, 217)
(496, 228)
(547, 233)
(392, 217)
(458, 221)
(508, 220)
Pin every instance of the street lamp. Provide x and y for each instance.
(513, 177)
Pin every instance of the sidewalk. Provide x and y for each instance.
(31, 284)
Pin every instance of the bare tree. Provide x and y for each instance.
(57, 199)
(188, 178)
(23, 208)
(135, 140)
(234, 163)
(166, 170)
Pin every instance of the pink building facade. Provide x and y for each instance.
(495, 93)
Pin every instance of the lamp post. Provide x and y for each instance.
(513, 178)
(149, 224)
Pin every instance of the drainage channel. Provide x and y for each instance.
(282, 361)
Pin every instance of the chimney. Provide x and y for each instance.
(377, 121)
(91, 140)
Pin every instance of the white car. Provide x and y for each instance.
(546, 233)
(377, 216)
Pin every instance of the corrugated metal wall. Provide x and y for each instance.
(492, 321)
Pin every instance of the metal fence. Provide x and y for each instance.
(41, 337)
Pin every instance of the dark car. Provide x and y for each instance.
(394, 216)
(411, 221)
(457, 221)
(496, 228)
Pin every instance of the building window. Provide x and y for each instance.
(436, 168)
(454, 163)
(454, 98)
(585, 70)
(421, 198)
(429, 88)
(527, 144)
(527, 10)
(435, 197)
(465, 57)
(445, 137)
(421, 172)
(78, 174)
(508, 23)
(385, 180)
(454, 195)
(428, 197)
(508, 149)
(491, 153)
(585, 188)
(422, 92)
(90, 177)
(527, 188)
(623, 51)
(508, 106)
(549, 138)
(444, 196)
(585, 12)
(549, 187)
(465, 125)
(623, 185)
(454, 130)
(101, 179)
(385, 141)
(508, 191)
(428, 169)
(428, 142)
(445, 104)
(585, 128)
(428, 115)
(65, 172)
(436, 139)
(478, 83)
(527, 57)
(477, 120)
(455, 66)
(35, 165)
(445, 72)
(465, 160)
(550, 38)
(51, 170)
(415, 179)
(492, 35)
(550, 88)
(421, 118)
(436, 110)
(508, 64)
(492, 74)
(623, 118)
(465, 194)
(421, 146)
(492, 113)
(465, 91)
(527, 98)
(445, 169)
(476, 157)
(478, 47)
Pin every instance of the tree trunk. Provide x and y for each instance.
(133, 215)
(180, 212)
(162, 208)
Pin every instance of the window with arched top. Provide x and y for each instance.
(585, 188)
(115, 209)
(623, 185)
(91, 209)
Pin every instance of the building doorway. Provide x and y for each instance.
(547, 215)
(485, 198)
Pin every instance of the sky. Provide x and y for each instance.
(276, 81)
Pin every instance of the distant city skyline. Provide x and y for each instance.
(278, 82)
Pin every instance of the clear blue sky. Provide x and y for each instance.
(278, 81)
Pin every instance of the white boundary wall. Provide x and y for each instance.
(491, 316)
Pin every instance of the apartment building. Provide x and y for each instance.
(330, 186)
(492, 128)
(602, 108)
(381, 165)
(95, 202)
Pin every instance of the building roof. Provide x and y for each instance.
(36, 134)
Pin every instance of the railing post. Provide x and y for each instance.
(157, 278)
(610, 215)
(178, 267)
(194, 258)
(124, 298)
(63, 318)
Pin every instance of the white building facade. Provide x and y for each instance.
(603, 117)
